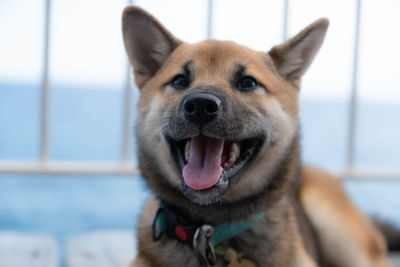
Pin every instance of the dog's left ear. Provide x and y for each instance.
(293, 57)
(147, 43)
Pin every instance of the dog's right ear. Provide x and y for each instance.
(147, 43)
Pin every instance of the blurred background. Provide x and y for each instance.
(70, 193)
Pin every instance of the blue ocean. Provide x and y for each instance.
(86, 124)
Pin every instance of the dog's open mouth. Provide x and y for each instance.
(204, 160)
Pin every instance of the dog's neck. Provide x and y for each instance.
(280, 186)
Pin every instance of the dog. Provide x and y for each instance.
(218, 145)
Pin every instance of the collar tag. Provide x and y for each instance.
(202, 245)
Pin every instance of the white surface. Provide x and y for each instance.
(100, 249)
(22, 250)
(395, 259)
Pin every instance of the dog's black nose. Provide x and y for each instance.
(201, 108)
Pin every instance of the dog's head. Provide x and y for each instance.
(214, 118)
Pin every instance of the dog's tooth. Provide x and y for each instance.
(187, 151)
(234, 153)
(236, 150)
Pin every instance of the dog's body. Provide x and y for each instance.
(218, 139)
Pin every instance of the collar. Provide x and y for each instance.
(175, 225)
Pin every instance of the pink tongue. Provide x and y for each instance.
(204, 167)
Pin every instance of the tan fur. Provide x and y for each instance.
(342, 229)
(308, 220)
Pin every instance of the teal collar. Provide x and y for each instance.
(175, 225)
(224, 232)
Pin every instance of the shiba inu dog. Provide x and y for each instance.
(218, 145)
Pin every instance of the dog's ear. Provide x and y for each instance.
(293, 57)
(147, 43)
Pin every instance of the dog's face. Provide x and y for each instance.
(214, 118)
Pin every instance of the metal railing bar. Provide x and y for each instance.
(127, 112)
(379, 174)
(65, 167)
(45, 94)
(126, 132)
(210, 13)
(285, 20)
(354, 96)
(96, 167)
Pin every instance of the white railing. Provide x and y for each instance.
(124, 166)
(354, 88)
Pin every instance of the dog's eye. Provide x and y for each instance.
(180, 81)
(247, 83)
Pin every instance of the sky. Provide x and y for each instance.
(86, 43)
